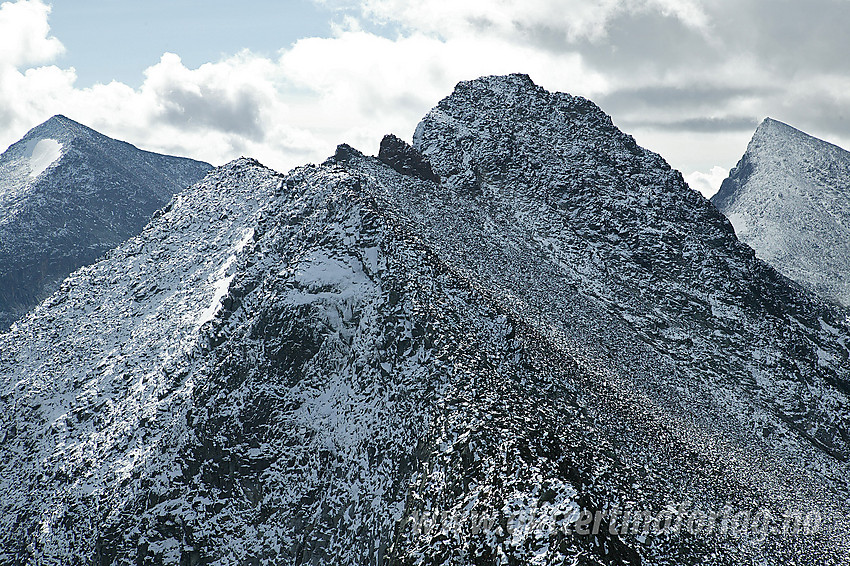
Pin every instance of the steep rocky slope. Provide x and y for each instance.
(789, 198)
(67, 195)
(441, 355)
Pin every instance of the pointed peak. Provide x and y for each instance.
(772, 132)
(61, 119)
(769, 124)
(772, 127)
(59, 126)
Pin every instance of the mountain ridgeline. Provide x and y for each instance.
(69, 194)
(439, 355)
(789, 198)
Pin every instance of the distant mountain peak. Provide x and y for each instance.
(68, 194)
(61, 119)
(770, 122)
(789, 198)
(59, 125)
(772, 129)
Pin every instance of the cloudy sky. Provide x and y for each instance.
(286, 81)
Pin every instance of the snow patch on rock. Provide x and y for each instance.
(222, 278)
(44, 153)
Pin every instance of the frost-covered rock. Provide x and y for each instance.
(67, 195)
(351, 364)
(789, 198)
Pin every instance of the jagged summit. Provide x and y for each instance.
(789, 198)
(515, 81)
(351, 364)
(67, 195)
(515, 90)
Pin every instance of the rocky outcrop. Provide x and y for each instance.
(401, 156)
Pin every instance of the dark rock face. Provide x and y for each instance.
(733, 185)
(345, 152)
(95, 194)
(789, 198)
(348, 364)
(401, 156)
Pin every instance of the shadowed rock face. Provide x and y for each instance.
(349, 364)
(67, 195)
(789, 198)
(401, 156)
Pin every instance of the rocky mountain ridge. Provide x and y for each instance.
(440, 355)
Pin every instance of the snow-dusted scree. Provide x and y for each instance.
(69, 194)
(454, 353)
(789, 198)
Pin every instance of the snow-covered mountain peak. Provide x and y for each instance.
(789, 198)
(40, 148)
(511, 84)
(67, 195)
(770, 127)
(58, 128)
(57, 125)
(779, 141)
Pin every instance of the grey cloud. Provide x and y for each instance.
(819, 114)
(678, 97)
(648, 43)
(754, 58)
(794, 38)
(7, 117)
(700, 125)
(795, 43)
(238, 114)
(789, 37)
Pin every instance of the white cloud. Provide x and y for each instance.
(707, 183)
(353, 87)
(368, 85)
(25, 34)
(672, 72)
